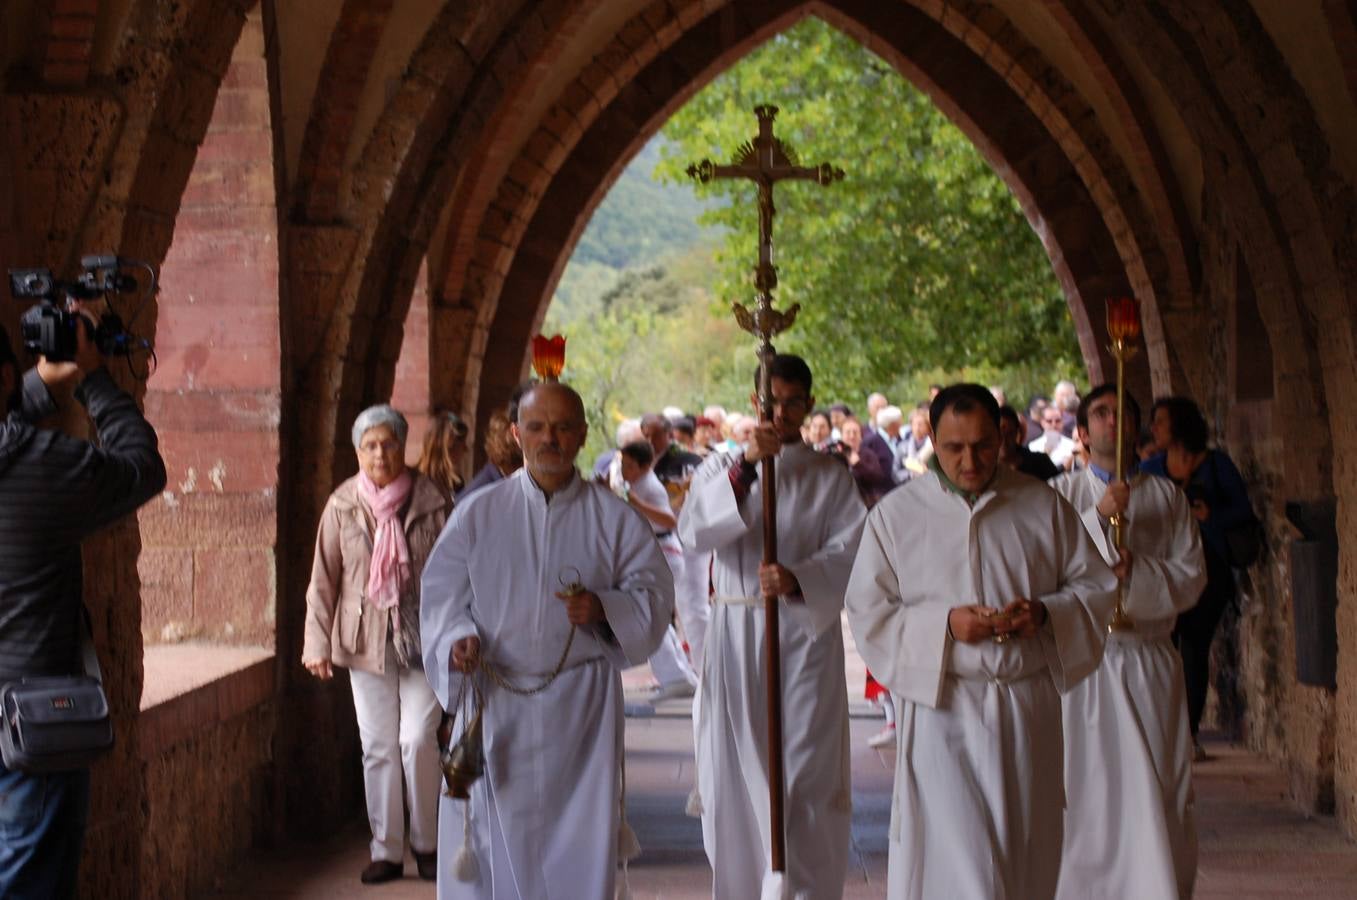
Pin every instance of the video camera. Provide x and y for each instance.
(49, 328)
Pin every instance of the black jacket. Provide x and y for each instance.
(55, 491)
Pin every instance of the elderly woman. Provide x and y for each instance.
(362, 613)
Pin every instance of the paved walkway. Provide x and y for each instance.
(1254, 844)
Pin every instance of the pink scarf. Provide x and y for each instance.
(390, 567)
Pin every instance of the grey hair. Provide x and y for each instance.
(628, 430)
(382, 414)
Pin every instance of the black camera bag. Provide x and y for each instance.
(56, 723)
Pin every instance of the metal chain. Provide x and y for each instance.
(494, 675)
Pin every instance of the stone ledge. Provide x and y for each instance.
(193, 687)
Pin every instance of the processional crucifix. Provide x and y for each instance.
(765, 161)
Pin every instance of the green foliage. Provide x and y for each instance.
(919, 260)
(653, 338)
(642, 219)
(919, 268)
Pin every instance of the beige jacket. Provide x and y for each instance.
(356, 637)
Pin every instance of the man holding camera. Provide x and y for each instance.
(55, 491)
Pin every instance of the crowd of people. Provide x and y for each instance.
(1031, 604)
(972, 545)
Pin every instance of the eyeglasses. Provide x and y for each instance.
(791, 404)
(372, 449)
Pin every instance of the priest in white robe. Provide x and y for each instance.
(544, 819)
(976, 597)
(819, 521)
(1129, 825)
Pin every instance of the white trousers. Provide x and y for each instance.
(398, 715)
(693, 602)
(668, 662)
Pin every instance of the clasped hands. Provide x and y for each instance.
(975, 623)
(581, 608)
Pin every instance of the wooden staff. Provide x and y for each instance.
(766, 160)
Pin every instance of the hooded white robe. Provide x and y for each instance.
(544, 818)
(1129, 824)
(819, 519)
(978, 802)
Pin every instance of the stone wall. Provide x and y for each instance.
(208, 566)
(206, 759)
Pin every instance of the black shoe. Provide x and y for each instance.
(427, 863)
(380, 871)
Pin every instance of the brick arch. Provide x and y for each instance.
(1147, 221)
(353, 269)
(67, 42)
(113, 183)
(1072, 218)
(329, 131)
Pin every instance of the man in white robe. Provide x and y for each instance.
(1129, 829)
(819, 520)
(976, 596)
(543, 821)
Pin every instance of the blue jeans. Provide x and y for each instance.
(42, 828)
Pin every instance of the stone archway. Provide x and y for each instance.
(531, 225)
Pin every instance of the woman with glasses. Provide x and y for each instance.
(362, 613)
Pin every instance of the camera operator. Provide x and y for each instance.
(55, 491)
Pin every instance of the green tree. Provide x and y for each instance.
(921, 259)
(654, 337)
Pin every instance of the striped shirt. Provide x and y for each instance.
(55, 491)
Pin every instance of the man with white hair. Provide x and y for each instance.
(720, 419)
(742, 429)
(916, 445)
(875, 403)
(1053, 442)
(1065, 397)
(888, 422)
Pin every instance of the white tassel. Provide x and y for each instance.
(774, 887)
(693, 807)
(628, 847)
(465, 867)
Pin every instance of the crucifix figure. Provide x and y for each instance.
(765, 161)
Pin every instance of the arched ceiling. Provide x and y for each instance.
(482, 135)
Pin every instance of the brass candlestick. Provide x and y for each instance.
(1123, 327)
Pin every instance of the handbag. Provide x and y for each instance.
(56, 723)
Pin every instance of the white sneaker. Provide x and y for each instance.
(883, 738)
(674, 690)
